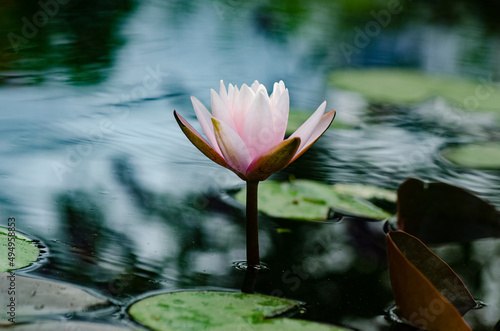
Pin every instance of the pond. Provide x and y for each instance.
(94, 165)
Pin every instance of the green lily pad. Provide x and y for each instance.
(484, 156)
(16, 251)
(367, 192)
(215, 310)
(199, 310)
(403, 86)
(310, 200)
(68, 325)
(288, 324)
(297, 117)
(36, 297)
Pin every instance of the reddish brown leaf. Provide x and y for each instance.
(427, 292)
(439, 213)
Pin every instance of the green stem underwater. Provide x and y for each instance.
(252, 225)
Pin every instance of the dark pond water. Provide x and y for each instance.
(93, 163)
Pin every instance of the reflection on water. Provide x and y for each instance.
(72, 40)
(94, 163)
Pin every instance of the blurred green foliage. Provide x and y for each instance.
(78, 38)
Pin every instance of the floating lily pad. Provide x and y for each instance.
(427, 291)
(297, 117)
(383, 198)
(310, 200)
(215, 310)
(485, 155)
(402, 86)
(287, 324)
(17, 251)
(199, 310)
(68, 325)
(35, 297)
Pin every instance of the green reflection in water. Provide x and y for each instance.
(74, 38)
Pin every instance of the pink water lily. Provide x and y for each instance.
(246, 129)
(246, 134)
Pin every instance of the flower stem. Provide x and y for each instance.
(249, 280)
(252, 225)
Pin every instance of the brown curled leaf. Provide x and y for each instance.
(427, 291)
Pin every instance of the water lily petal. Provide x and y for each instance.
(276, 158)
(200, 143)
(324, 123)
(223, 94)
(258, 128)
(282, 85)
(230, 91)
(205, 119)
(278, 89)
(306, 129)
(241, 103)
(220, 109)
(232, 96)
(233, 148)
(255, 86)
(280, 116)
(262, 88)
(275, 90)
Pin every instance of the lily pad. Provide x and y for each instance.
(199, 310)
(427, 291)
(484, 155)
(68, 325)
(382, 198)
(216, 310)
(441, 213)
(16, 251)
(36, 297)
(310, 200)
(288, 324)
(403, 86)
